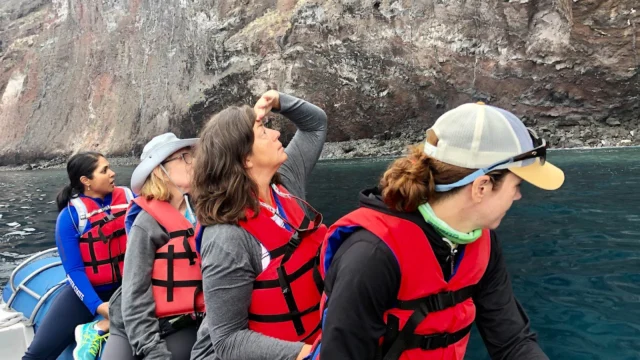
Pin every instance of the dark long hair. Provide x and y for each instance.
(79, 165)
(221, 186)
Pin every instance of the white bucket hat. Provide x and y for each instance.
(154, 153)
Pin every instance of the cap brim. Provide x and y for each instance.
(547, 176)
(146, 166)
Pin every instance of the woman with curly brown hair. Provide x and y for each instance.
(418, 263)
(261, 240)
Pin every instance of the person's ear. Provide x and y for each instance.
(480, 188)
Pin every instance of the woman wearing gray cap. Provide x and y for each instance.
(423, 245)
(260, 246)
(156, 313)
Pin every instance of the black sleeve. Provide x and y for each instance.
(501, 320)
(362, 283)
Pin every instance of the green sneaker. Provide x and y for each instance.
(88, 341)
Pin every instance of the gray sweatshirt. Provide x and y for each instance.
(232, 258)
(132, 309)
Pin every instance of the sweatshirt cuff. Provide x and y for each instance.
(93, 308)
(286, 102)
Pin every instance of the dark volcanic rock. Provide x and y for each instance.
(109, 75)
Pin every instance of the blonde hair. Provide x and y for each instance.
(155, 186)
(411, 180)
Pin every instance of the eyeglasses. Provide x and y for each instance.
(187, 157)
(298, 233)
(304, 229)
(539, 151)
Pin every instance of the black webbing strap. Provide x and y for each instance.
(267, 284)
(109, 261)
(438, 302)
(115, 266)
(293, 243)
(315, 330)
(171, 255)
(283, 279)
(198, 316)
(177, 283)
(436, 341)
(399, 345)
(317, 277)
(90, 240)
(107, 218)
(282, 317)
(397, 341)
(170, 282)
(101, 237)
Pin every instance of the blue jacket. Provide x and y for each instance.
(67, 238)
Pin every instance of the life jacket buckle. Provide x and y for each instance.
(425, 342)
(431, 342)
(441, 301)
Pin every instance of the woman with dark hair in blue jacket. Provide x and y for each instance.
(91, 241)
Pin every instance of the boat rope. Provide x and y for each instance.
(9, 317)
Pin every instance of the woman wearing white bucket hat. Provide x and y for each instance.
(423, 243)
(156, 313)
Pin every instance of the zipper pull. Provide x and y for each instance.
(454, 251)
(451, 258)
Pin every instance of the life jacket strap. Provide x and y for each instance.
(170, 283)
(397, 341)
(108, 218)
(439, 301)
(276, 318)
(91, 240)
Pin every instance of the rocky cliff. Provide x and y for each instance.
(110, 74)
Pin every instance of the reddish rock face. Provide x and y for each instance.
(108, 76)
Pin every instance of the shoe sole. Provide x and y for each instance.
(77, 334)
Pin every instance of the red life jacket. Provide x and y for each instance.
(285, 301)
(433, 317)
(102, 247)
(176, 277)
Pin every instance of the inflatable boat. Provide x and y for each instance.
(26, 298)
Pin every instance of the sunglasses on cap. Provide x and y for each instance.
(539, 151)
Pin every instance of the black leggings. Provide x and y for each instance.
(56, 331)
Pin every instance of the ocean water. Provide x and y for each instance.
(573, 254)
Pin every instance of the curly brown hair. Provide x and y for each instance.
(411, 180)
(221, 187)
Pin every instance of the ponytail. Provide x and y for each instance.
(79, 165)
(64, 196)
(411, 181)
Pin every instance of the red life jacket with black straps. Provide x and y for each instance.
(176, 277)
(102, 247)
(432, 317)
(286, 295)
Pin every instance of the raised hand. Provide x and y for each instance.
(269, 100)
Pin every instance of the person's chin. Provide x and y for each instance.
(496, 223)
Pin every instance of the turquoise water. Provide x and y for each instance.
(573, 254)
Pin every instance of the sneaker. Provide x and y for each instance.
(88, 341)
